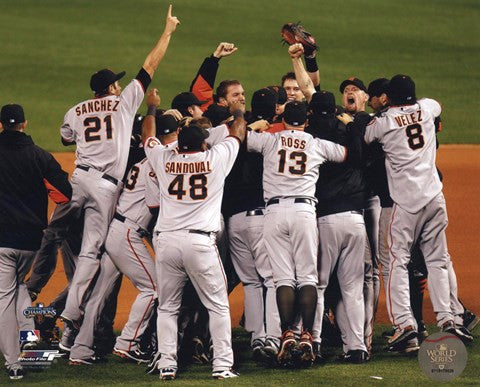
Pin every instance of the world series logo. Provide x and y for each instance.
(442, 356)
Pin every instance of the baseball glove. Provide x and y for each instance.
(295, 33)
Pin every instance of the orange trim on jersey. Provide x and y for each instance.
(154, 206)
(139, 260)
(54, 193)
(276, 127)
(141, 84)
(140, 324)
(346, 154)
(391, 265)
(203, 91)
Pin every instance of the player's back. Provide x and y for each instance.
(291, 161)
(101, 128)
(191, 186)
(407, 134)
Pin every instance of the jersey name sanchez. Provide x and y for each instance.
(291, 161)
(407, 134)
(102, 127)
(134, 198)
(191, 184)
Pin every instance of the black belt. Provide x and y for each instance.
(256, 212)
(104, 176)
(119, 217)
(297, 200)
(206, 233)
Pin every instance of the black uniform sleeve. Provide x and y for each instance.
(202, 84)
(55, 180)
(144, 78)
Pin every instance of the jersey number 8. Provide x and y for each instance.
(415, 137)
(198, 187)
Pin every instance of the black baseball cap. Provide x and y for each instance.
(165, 123)
(401, 90)
(352, 81)
(100, 81)
(377, 87)
(323, 103)
(216, 113)
(12, 114)
(295, 113)
(264, 104)
(191, 138)
(281, 93)
(183, 100)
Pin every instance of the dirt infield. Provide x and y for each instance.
(460, 165)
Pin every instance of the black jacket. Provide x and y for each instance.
(341, 186)
(27, 175)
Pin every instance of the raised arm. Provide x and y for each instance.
(304, 81)
(158, 52)
(148, 125)
(238, 127)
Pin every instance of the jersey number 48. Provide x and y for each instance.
(197, 190)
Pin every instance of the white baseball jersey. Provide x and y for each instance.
(102, 127)
(408, 137)
(132, 201)
(186, 180)
(291, 159)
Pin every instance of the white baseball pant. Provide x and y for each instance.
(125, 253)
(428, 227)
(98, 196)
(252, 265)
(185, 254)
(343, 241)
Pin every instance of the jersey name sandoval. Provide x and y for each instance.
(195, 167)
(291, 161)
(407, 134)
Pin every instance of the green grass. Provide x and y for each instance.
(394, 369)
(50, 48)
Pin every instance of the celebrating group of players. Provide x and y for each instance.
(302, 197)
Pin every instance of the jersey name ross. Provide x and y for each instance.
(194, 167)
(103, 105)
(292, 143)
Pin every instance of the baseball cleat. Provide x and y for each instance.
(356, 356)
(72, 324)
(152, 366)
(288, 344)
(16, 372)
(399, 341)
(64, 348)
(470, 320)
(422, 331)
(317, 350)
(460, 331)
(135, 355)
(199, 355)
(412, 346)
(305, 346)
(257, 347)
(225, 374)
(168, 373)
(387, 335)
(89, 361)
(269, 351)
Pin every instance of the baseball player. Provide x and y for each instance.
(291, 160)
(191, 185)
(27, 175)
(243, 207)
(101, 128)
(341, 194)
(407, 132)
(126, 253)
(417, 270)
